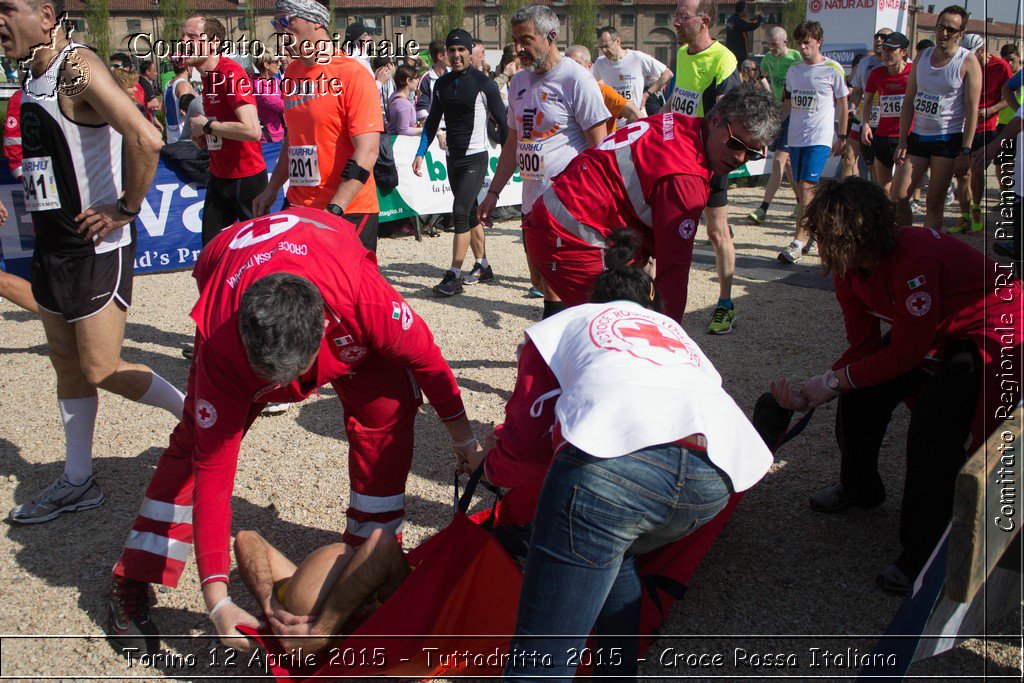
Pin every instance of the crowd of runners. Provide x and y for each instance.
(622, 159)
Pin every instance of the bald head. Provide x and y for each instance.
(579, 54)
(776, 40)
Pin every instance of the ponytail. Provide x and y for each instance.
(624, 277)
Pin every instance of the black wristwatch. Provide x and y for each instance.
(335, 209)
(965, 150)
(208, 127)
(122, 209)
(843, 137)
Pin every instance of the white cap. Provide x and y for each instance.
(973, 41)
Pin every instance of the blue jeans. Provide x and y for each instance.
(594, 517)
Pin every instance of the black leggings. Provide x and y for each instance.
(940, 424)
(229, 200)
(466, 176)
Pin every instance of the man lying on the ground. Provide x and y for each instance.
(333, 591)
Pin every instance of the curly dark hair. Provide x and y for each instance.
(854, 222)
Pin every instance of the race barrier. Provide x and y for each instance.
(170, 223)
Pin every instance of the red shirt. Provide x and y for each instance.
(364, 316)
(227, 87)
(931, 290)
(140, 99)
(889, 90)
(12, 134)
(994, 76)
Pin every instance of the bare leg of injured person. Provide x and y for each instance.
(334, 589)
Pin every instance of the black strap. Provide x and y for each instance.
(795, 430)
(463, 502)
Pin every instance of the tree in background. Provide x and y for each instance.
(508, 8)
(97, 19)
(793, 13)
(583, 24)
(448, 14)
(251, 20)
(173, 13)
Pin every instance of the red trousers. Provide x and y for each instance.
(380, 401)
(570, 265)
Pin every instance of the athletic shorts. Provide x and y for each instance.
(884, 150)
(77, 286)
(719, 191)
(466, 177)
(808, 162)
(983, 138)
(927, 146)
(229, 200)
(367, 228)
(781, 143)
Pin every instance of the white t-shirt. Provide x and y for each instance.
(813, 90)
(549, 115)
(864, 69)
(630, 75)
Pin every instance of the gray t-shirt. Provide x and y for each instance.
(195, 108)
(549, 115)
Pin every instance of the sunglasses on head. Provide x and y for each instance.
(282, 23)
(735, 143)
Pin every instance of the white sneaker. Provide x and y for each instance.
(916, 207)
(59, 497)
(811, 248)
(276, 408)
(790, 254)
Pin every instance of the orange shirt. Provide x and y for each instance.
(615, 103)
(326, 105)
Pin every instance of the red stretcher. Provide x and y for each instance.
(456, 612)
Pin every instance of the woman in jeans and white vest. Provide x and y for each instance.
(626, 419)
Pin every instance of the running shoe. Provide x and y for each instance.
(916, 207)
(469, 279)
(791, 254)
(963, 226)
(977, 219)
(450, 285)
(482, 274)
(721, 320)
(129, 627)
(535, 293)
(950, 196)
(811, 248)
(276, 408)
(757, 215)
(59, 497)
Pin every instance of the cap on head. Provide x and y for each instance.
(457, 37)
(354, 32)
(973, 42)
(896, 41)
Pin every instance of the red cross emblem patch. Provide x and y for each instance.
(206, 414)
(919, 303)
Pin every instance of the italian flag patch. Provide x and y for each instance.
(396, 310)
(916, 282)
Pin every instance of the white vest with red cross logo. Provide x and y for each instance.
(632, 378)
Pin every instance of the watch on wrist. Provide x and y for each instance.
(335, 209)
(123, 209)
(843, 137)
(208, 127)
(965, 150)
(832, 381)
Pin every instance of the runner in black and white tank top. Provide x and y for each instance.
(67, 167)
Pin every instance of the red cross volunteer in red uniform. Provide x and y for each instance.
(375, 352)
(652, 176)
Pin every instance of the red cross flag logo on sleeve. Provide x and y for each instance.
(919, 303)
(206, 414)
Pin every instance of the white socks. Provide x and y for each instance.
(482, 262)
(163, 395)
(79, 417)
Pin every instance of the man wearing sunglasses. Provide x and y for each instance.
(854, 148)
(653, 176)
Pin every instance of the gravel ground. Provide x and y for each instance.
(776, 580)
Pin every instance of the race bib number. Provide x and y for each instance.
(892, 105)
(39, 184)
(928, 105)
(805, 100)
(214, 142)
(876, 114)
(686, 102)
(625, 91)
(303, 166)
(530, 156)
